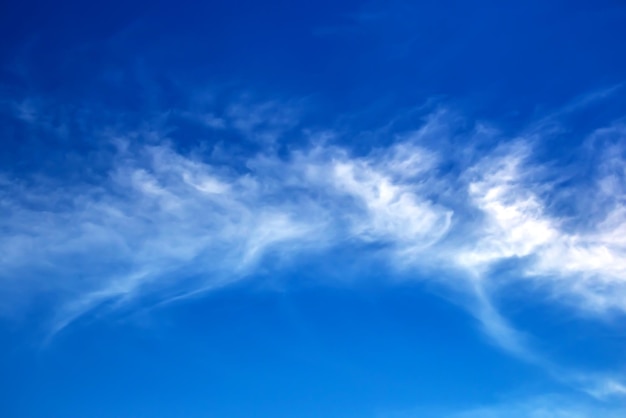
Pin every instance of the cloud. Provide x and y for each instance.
(157, 218)
(160, 222)
(540, 406)
(581, 258)
(543, 407)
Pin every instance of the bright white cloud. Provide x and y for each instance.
(165, 223)
(162, 224)
(585, 260)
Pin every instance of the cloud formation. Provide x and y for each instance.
(161, 223)
(542, 407)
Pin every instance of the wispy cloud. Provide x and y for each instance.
(581, 257)
(160, 224)
(167, 223)
(542, 407)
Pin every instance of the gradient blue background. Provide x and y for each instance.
(306, 349)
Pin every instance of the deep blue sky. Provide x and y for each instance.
(333, 209)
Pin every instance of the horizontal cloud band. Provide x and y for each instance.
(169, 224)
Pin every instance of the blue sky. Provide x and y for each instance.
(336, 209)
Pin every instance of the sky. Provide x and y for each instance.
(355, 209)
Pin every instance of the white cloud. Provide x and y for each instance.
(585, 260)
(543, 407)
(157, 213)
(515, 225)
(172, 224)
(163, 224)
